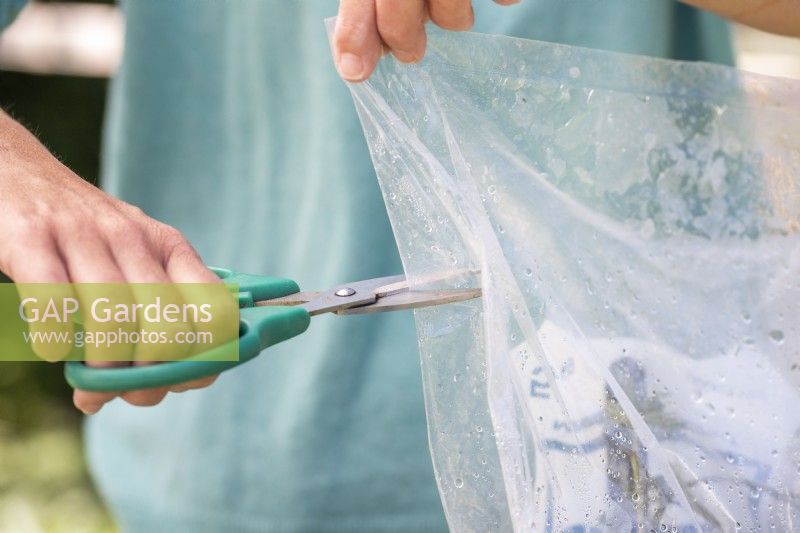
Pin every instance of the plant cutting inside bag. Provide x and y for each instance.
(634, 362)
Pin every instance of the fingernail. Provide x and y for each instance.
(351, 67)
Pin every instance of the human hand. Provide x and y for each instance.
(364, 28)
(57, 228)
(776, 16)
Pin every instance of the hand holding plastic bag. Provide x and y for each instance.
(634, 364)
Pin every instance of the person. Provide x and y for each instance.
(228, 128)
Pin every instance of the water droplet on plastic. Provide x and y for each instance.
(574, 72)
(459, 482)
(776, 336)
(528, 272)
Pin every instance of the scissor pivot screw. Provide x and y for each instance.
(347, 291)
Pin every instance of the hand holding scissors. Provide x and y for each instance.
(272, 310)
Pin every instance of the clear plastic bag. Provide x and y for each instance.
(634, 362)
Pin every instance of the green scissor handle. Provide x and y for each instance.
(259, 328)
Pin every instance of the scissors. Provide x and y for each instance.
(272, 310)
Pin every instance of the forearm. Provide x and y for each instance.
(776, 16)
(16, 142)
(57, 228)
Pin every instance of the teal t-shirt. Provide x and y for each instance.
(228, 121)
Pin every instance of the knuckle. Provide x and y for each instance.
(120, 228)
(15, 263)
(182, 255)
(172, 241)
(16, 270)
(349, 34)
(29, 227)
(30, 244)
(183, 250)
(170, 236)
(401, 36)
(74, 224)
(175, 244)
(133, 210)
(453, 19)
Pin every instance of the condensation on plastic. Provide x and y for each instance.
(634, 362)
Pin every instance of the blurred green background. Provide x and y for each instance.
(44, 485)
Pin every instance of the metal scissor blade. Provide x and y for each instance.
(343, 296)
(413, 300)
(388, 293)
